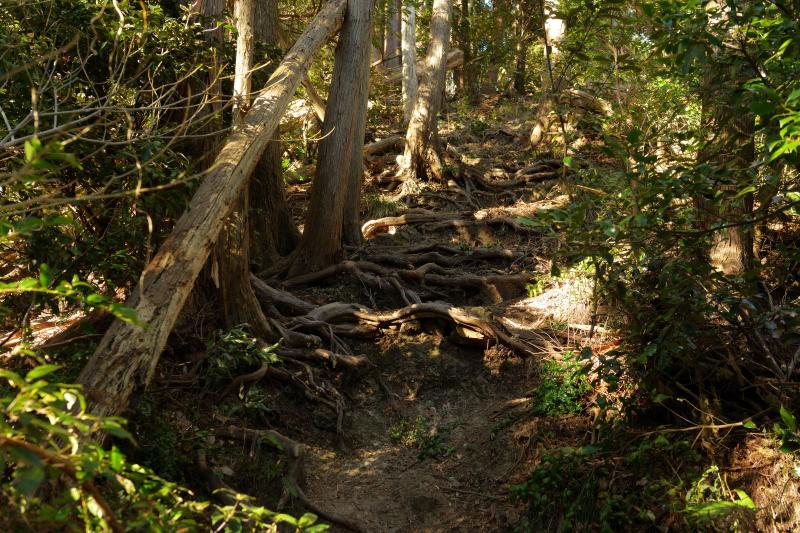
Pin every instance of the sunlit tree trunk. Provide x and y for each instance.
(409, 45)
(424, 120)
(469, 69)
(553, 33)
(337, 182)
(729, 154)
(243, 14)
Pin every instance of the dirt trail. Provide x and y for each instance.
(443, 455)
(437, 459)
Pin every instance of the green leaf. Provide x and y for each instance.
(40, 371)
(32, 148)
(307, 520)
(28, 479)
(749, 424)
(744, 500)
(45, 276)
(788, 420)
(568, 161)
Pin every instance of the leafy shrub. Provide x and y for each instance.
(562, 388)
(420, 435)
(55, 477)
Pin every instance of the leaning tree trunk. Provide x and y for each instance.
(127, 355)
(273, 233)
(391, 51)
(424, 120)
(409, 46)
(339, 165)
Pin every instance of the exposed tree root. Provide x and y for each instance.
(495, 288)
(285, 301)
(469, 321)
(409, 260)
(394, 142)
(440, 221)
(295, 455)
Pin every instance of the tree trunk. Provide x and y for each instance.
(391, 51)
(470, 81)
(731, 153)
(553, 33)
(232, 255)
(128, 353)
(337, 181)
(243, 14)
(424, 120)
(273, 233)
(207, 88)
(497, 52)
(522, 26)
(409, 46)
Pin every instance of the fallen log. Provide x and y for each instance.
(455, 59)
(129, 352)
(394, 142)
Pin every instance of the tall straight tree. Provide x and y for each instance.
(423, 127)
(391, 50)
(273, 232)
(239, 302)
(468, 74)
(554, 29)
(730, 150)
(339, 166)
(409, 46)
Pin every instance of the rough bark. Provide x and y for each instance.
(409, 46)
(731, 152)
(272, 230)
(391, 51)
(128, 354)
(337, 182)
(208, 85)
(243, 13)
(424, 124)
(232, 254)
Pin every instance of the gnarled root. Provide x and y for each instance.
(440, 221)
(469, 321)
